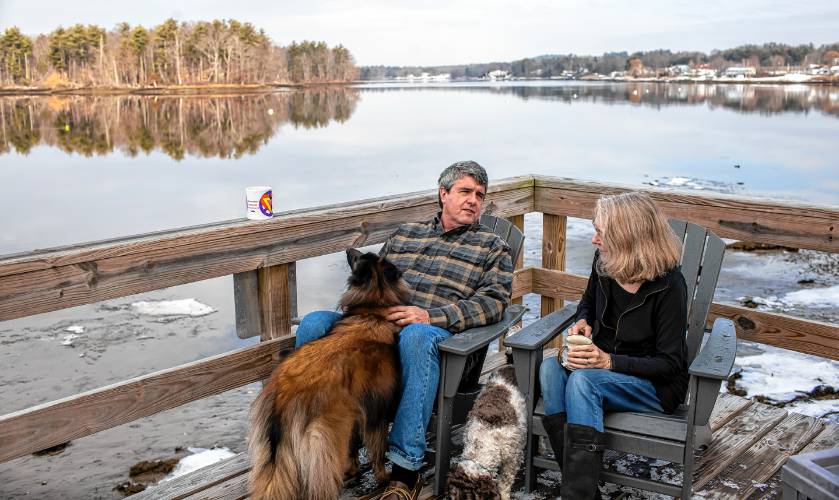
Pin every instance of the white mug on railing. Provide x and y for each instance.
(259, 201)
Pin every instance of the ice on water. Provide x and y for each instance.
(181, 307)
(198, 458)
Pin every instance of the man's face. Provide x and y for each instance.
(462, 203)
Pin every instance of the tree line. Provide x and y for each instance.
(768, 55)
(172, 53)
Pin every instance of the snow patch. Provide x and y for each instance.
(695, 184)
(183, 307)
(730, 484)
(764, 303)
(75, 329)
(814, 297)
(784, 375)
(201, 457)
(817, 408)
(68, 339)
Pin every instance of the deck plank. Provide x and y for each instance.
(202, 479)
(827, 439)
(234, 488)
(727, 407)
(751, 471)
(733, 439)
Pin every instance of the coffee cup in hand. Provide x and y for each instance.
(570, 342)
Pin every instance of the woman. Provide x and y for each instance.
(634, 310)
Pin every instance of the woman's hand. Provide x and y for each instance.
(589, 356)
(580, 328)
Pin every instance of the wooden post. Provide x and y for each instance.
(276, 287)
(553, 256)
(246, 301)
(252, 289)
(518, 221)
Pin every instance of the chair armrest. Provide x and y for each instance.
(469, 341)
(542, 331)
(716, 358)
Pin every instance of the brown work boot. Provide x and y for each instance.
(399, 491)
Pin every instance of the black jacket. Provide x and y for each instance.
(649, 340)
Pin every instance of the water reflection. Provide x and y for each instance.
(236, 125)
(763, 99)
(200, 126)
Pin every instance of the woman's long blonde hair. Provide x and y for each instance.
(640, 244)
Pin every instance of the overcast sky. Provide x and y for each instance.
(433, 32)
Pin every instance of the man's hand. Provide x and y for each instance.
(580, 328)
(406, 315)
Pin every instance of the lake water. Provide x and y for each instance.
(76, 169)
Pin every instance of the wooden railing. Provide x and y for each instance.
(262, 256)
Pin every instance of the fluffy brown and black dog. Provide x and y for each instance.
(493, 443)
(307, 421)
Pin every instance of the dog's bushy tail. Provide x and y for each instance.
(293, 454)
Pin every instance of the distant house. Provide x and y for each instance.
(834, 70)
(678, 70)
(817, 69)
(703, 71)
(740, 72)
(498, 74)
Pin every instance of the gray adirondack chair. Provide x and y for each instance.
(461, 359)
(669, 437)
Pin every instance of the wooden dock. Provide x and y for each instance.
(751, 440)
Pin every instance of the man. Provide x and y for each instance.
(461, 276)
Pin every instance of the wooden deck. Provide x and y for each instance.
(750, 445)
(752, 440)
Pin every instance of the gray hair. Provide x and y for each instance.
(456, 171)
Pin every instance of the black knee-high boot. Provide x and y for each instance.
(555, 426)
(582, 461)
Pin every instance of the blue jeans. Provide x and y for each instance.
(585, 393)
(420, 375)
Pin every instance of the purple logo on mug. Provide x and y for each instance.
(265, 204)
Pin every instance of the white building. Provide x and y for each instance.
(817, 69)
(678, 70)
(740, 72)
(498, 74)
(703, 71)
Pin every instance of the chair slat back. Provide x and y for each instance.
(507, 231)
(678, 227)
(692, 251)
(709, 273)
(702, 254)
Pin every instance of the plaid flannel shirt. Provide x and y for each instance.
(462, 277)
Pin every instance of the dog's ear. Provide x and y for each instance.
(391, 272)
(352, 257)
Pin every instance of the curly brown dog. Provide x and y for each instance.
(493, 443)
